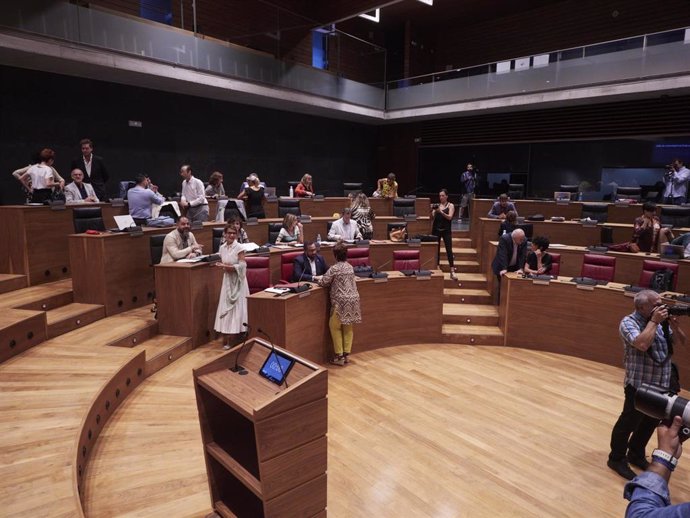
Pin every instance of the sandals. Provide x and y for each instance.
(346, 358)
(452, 275)
(337, 360)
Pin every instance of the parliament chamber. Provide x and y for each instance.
(120, 399)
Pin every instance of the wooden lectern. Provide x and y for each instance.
(265, 445)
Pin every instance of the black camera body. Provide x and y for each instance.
(656, 403)
(434, 206)
(678, 310)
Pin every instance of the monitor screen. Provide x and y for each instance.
(276, 367)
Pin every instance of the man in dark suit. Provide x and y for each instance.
(510, 256)
(309, 264)
(93, 168)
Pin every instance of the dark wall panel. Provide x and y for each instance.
(46, 110)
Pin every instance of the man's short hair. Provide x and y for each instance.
(86, 141)
(644, 297)
(347, 210)
(140, 178)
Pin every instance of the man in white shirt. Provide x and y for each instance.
(180, 243)
(676, 180)
(78, 191)
(193, 196)
(344, 228)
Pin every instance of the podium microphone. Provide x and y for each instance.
(273, 352)
(378, 274)
(424, 273)
(303, 287)
(238, 368)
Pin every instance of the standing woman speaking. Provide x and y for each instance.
(345, 309)
(232, 304)
(442, 221)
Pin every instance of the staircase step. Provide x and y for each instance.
(12, 282)
(461, 242)
(20, 329)
(472, 334)
(40, 298)
(145, 330)
(466, 296)
(475, 281)
(461, 265)
(162, 350)
(72, 316)
(470, 314)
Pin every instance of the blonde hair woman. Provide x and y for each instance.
(255, 197)
(305, 187)
(291, 231)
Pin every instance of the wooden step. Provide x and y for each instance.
(144, 330)
(472, 334)
(39, 298)
(12, 282)
(473, 281)
(466, 296)
(461, 234)
(72, 316)
(20, 329)
(462, 242)
(462, 266)
(470, 314)
(162, 350)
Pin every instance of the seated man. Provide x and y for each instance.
(501, 208)
(309, 264)
(344, 228)
(78, 191)
(180, 243)
(141, 197)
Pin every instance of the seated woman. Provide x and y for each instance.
(538, 260)
(648, 233)
(304, 188)
(363, 215)
(386, 187)
(254, 198)
(508, 224)
(291, 231)
(215, 188)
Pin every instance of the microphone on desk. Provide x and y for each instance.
(424, 273)
(303, 287)
(238, 368)
(273, 352)
(378, 274)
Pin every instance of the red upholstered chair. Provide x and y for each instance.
(286, 265)
(358, 256)
(258, 273)
(406, 260)
(649, 267)
(555, 264)
(599, 267)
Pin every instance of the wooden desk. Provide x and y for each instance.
(35, 239)
(401, 311)
(561, 318)
(187, 296)
(628, 266)
(114, 269)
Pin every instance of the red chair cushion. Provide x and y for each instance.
(406, 260)
(649, 267)
(258, 273)
(555, 264)
(358, 256)
(600, 267)
(286, 265)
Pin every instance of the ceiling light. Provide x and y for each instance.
(372, 17)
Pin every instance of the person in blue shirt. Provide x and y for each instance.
(648, 492)
(141, 197)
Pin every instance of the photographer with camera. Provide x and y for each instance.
(676, 180)
(648, 492)
(648, 336)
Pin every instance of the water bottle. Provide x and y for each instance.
(292, 192)
(579, 196)
(318, 240)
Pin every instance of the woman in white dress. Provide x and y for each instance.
(232, 304)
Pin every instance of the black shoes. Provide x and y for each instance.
(622, 468)
(638, 462)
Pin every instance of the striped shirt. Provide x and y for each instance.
(639, 367)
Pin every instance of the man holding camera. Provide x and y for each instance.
(676, 180)
(647, 336)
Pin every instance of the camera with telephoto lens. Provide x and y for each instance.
(677, 310)
(658, 404)
(434, 206)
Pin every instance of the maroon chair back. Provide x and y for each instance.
(406, 260)
(358, 256)
(649, 267)
(555, 264)
(599, 267)
(286, 265)
(258, 273)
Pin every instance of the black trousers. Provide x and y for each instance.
(447, 236)
(632, 431)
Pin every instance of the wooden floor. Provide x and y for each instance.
(414, 431)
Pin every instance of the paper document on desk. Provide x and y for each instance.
(249, 247)
(193, 259)
(277, 291)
